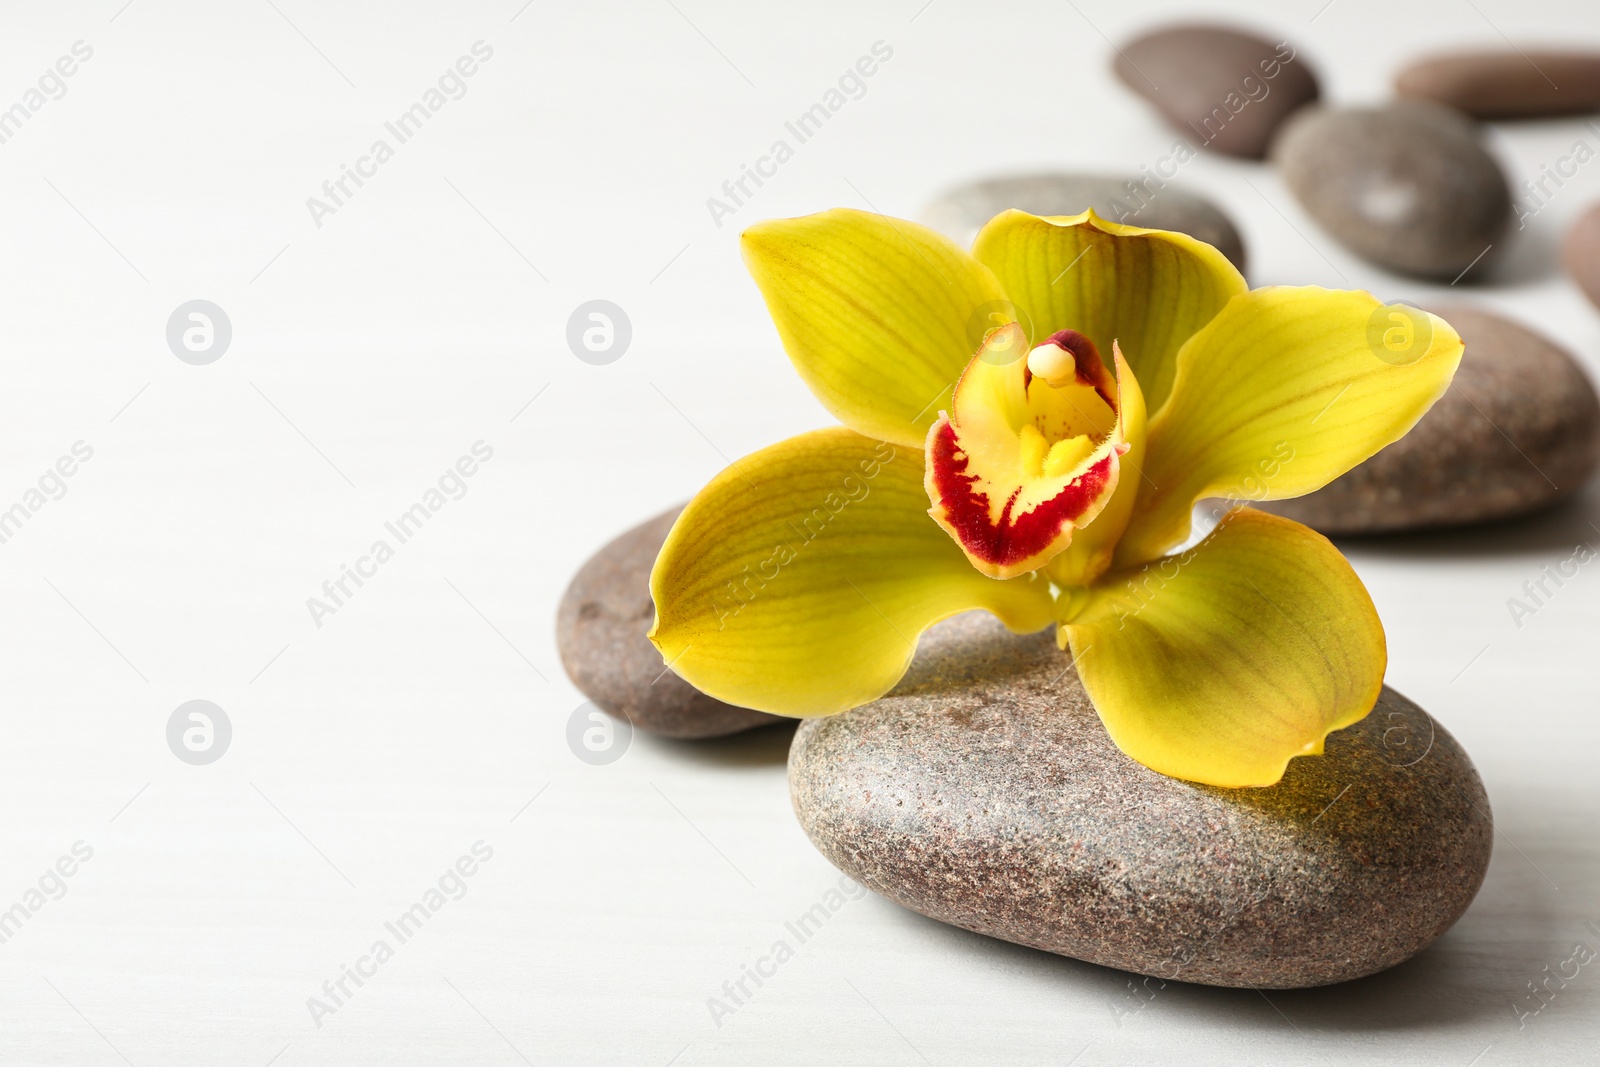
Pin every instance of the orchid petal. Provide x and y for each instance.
(1285, 390)
(878, 315)
(1221, 664)
(798, 580)
(1147, 290)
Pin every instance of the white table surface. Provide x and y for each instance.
(368, 354)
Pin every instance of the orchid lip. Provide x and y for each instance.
(1015, 466)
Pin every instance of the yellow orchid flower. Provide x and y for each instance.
(798, 581)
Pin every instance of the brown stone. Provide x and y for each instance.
(600, 634)
(985, 793)
(1409, 187)
(1518, 429)
(1506, 84)
(1582, 253)
(1218, 87)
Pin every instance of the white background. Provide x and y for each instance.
(368, 354)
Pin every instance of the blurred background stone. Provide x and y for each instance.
(1148, 201)
(1518, 429)
(1582, 253)
(1409, 187)
(1508, 84)
(1218, 87)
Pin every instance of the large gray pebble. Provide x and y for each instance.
(1218, 87)
(600, 633)
(1409, 187)
(985, 793)
(1518, 429)
(1146, 201)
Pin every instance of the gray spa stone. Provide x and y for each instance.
(985, 793)
(600, 634)
(1518, 430)
(1218, 87)
(1409, 187)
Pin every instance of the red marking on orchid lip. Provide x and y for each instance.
(1090, 368)
(1014, 539)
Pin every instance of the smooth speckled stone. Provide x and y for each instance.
(1518, 429)
(1582, 253)
(600, 633)
(1220, 88)
(1506, 84)
(1409, 187)
(985, 793)
(1146, 201)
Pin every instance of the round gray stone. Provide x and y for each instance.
(1518, 429)
(1220, 88)
(600, 634)
(1409, 187)
(1148, 201)
(985, 793)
